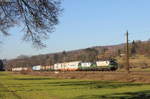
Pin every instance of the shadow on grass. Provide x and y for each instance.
(94, 84)
(128, 95)
(71, 84)
(34, 78)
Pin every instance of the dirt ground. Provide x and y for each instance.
(143, 77)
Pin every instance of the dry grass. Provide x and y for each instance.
(138, 61)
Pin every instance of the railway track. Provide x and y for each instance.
(98, 72)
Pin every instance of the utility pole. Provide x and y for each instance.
(127, 52)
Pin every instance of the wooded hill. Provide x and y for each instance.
(87, 55)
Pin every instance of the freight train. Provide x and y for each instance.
(108, 65)
(86, 66)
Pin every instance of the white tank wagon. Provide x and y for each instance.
(37, 68)
(102, 63)
(17, 69)
(86, 64)
(58, 66)
(73, 65)
(47, 68)
(69, 66)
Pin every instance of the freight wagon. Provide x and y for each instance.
(67, 66)
(47, 68)
(17, 69)
(86, 64)
(107, 65)
(36, 68)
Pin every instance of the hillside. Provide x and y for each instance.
(88, 54)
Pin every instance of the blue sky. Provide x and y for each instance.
(86, 23)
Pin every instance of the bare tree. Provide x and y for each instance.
(37, 17)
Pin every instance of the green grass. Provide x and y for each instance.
(35, 87)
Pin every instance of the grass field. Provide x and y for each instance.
(35, 87)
